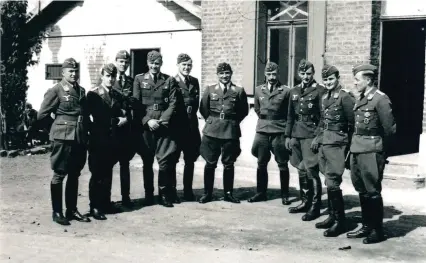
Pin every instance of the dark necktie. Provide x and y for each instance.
(329, 94)
(120, 80)
(271, 89)
(225, 89)
(303, 89)
(155, 79)
(187, 82)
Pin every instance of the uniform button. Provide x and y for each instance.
(65, 122)
(357, 116)
(357, 122)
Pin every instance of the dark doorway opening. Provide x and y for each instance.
(138, 61)
(402, 78)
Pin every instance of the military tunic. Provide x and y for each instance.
(374, 125)
(271, 108)
(336, 125)
(156, 101)
(302, 124)
(127, 134)
(223, 114)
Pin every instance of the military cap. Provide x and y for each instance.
(304, 65)
(122, 54)
(367, 68)
(271, 66)
(70, 63)
(110, 69)
(153, 56)
(183, 58)
(223, 67)
(329, 70)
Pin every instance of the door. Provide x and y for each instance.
(402, 78)
(138, 62)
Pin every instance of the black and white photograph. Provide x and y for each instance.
(213, 131)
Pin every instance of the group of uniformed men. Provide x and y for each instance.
(315, 127)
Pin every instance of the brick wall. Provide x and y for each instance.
(222, 39)
(352, 35)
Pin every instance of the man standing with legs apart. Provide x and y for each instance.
(157, 96)
(124, 85)
(188, 139)
(271, 106)
(67, 100)
(374, 125)
(302, 126)
(336, 129)
(223, 106)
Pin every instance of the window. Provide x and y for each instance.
(283, 32)
(54, 71)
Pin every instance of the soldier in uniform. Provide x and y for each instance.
(374, 126)
(189, 138)
(67, 100)
(157, 95)
(271, 106)
(301, 130)
(109, 117)
(336, 128)
(223, 106)
(125, 133)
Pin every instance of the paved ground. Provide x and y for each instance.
(191, 232)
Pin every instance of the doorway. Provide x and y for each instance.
(402, 78)
(138, 62)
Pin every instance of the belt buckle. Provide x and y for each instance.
(189, 109)
(155, 107)
(222, 116)
(326, 125)
(80, 118)
(356, 130)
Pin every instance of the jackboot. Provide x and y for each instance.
(365, 230)
(71, 195)
(174, 198)
(208, 185)
(285, 182)
(376, 210)
(188, 177)
(306, 193)
(228, 185)
(262, 185)
(125, 184)
(56, 196)
(314, 211)
(164, 188)
(148, 183)
(329, 221)
(339, 226)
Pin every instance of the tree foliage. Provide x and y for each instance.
(19, 42)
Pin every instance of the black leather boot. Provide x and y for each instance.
(56, 196)
(329, 221)
(339, 226)
(305, 195)
(188, 176)
(71, 195)
(262, 185)
(208, 185)
(228, 185)
(285, 182)
(314, 211)
(148, 183)
(125, 185)
(376, 210)
(174, 198)
(365, 230)
(164, 187)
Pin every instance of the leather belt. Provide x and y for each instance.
(334, 126)
(271, 117)
(305, 118)
(222, 116)
(78, 118)
(156, 107)
(366, 132)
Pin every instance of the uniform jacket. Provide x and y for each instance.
(124, 93)
(271, 108)
(155, 100)
(191, 101)
(374, 123)
(337, 116)
(304, 111)
(69, 104)
(232, 106)
(105, 108)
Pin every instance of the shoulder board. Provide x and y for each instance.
(380, 92)
(370, 96)
(94, 89)
(314, 85)
(283, 87)
(263, 86)
(345, 90)
(324, 96)
(336, 95)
